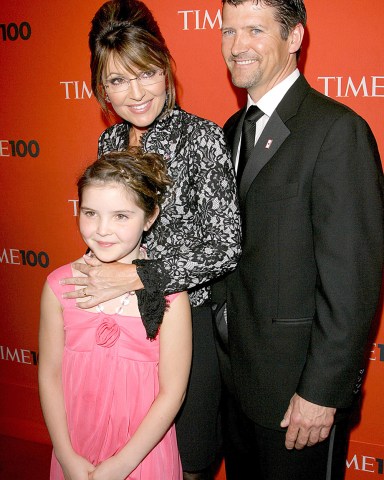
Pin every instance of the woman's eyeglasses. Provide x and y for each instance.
(120, 84)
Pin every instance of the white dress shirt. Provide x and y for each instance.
(268, 104)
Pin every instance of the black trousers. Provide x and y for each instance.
(198, 423)
(257, 453)
(253, 452)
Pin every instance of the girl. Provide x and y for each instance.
(110, 385)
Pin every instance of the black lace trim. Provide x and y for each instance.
(151, 300)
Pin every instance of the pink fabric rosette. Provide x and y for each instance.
(107, 332)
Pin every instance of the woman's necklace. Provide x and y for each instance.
(124, 302)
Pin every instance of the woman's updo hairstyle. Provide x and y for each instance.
(127, 31)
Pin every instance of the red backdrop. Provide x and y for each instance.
(49, 129)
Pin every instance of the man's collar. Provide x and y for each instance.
(273, 97)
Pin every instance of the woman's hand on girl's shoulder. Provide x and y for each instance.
(101, 282)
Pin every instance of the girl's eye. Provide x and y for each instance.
(120, 216)
(89, 213)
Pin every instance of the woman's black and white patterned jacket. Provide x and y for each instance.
(197, 235)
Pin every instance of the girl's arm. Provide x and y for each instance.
(51, 347)
(174, 366)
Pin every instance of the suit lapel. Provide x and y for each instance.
(233, 131)
(274, 134)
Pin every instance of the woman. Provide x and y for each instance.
(197, 236)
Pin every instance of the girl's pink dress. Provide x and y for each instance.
(110, 380)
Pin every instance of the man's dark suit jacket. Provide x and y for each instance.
(301, 301)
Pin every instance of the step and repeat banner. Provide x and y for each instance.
(49, 126)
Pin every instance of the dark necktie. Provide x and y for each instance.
(248, 133)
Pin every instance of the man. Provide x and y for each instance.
(301, 301)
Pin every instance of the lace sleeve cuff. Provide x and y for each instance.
(152, 275)
(151, 301)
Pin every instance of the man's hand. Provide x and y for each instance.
(307, 423)
(103, 281)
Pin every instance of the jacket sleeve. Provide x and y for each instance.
(347, 220)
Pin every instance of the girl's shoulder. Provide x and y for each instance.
(59, 272)
(65, 271)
